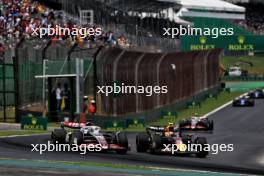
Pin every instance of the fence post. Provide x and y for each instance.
(95, 79)
(44, 60)
(16, 79)
(4, 88)
(69, 71)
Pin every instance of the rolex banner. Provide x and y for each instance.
(229, 43)
(31, 122)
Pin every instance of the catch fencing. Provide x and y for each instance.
(31, 64)
(185, 74)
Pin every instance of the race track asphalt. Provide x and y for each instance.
(243, 127)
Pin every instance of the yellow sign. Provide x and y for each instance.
(33, 127)
(241, 46)
(202, 45)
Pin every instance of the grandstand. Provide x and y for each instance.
(205, 8)
(254, 17)
(142, 22)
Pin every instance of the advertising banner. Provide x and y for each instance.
(169, 114)
(228, 43)
(34, 123)
(135, 122)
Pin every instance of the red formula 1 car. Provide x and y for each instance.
(88, 133)
(158, 139)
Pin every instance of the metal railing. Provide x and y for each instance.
(243, 78)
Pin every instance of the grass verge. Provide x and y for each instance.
(119, 166)
(88, 164)
(206, 106)
(20, 132)
(81, 165)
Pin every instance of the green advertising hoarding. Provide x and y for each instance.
(31, 122)
(228, 43)
(169, 114)
(115, 125)
(135, 122)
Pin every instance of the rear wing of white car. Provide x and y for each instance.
(74, 125)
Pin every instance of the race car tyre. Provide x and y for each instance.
(58, 135)
(142, 142)
(76, 138)
(186, 138)
(234, 104)
(155, 144)
(211, 125)
(182, 124)
(123, 142)
(202, 141)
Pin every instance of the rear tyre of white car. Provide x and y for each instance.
(122, 142)
(58, 136)
(211, 125)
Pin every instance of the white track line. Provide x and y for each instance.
(260, 159)
(198, 171)
(10, 124)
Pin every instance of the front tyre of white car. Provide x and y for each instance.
(122, 141)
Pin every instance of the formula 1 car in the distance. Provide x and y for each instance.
(88, 133)
(243, 102)
(196, 124)
(256, 94)
(156, 138)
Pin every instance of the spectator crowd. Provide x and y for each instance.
(254, 18)
(19, 18)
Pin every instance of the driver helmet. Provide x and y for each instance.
(170, 126)
(89, 124)
(97, 129)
